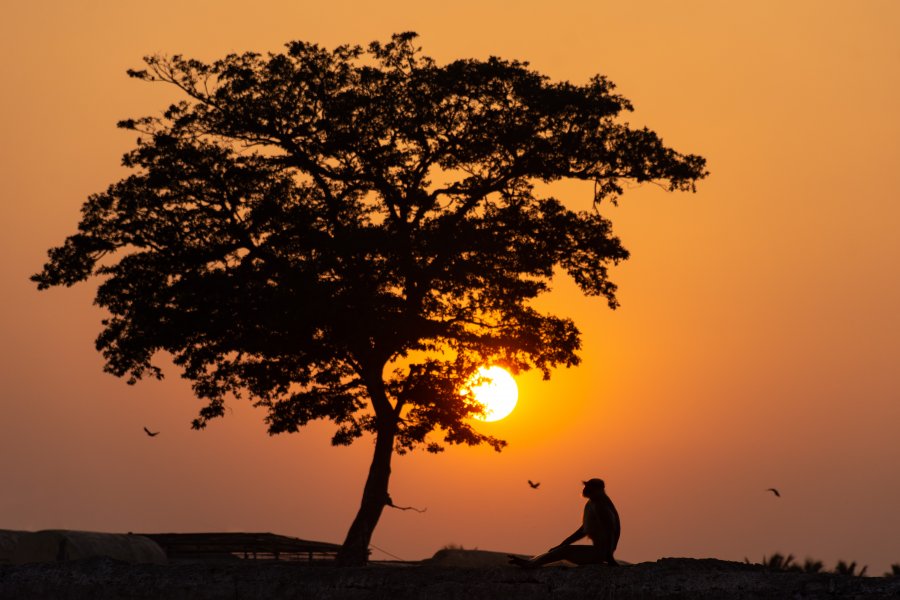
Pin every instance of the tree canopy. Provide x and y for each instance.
(349, 234)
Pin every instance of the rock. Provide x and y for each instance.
(59, 545)
(8, 540)
(452, 557)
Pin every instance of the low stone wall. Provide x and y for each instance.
(101, 579)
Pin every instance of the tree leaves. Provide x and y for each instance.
(303, 222)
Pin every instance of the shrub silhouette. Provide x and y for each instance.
(813, 566)
(843, 568)
(778, 562)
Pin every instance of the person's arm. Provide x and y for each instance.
(579, 533)
(552, 555)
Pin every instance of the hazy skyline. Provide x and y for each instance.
(755, 347)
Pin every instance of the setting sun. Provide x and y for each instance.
(497, 392)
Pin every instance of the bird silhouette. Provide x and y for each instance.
(774, 491)
(534, 485)
(151, 433)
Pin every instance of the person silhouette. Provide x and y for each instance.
(600, 523)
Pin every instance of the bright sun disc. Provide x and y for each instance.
(498, 392)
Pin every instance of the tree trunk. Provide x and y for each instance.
(355, 550)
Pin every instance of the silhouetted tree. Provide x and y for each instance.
(350, 234)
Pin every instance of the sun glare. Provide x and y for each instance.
(497, 392)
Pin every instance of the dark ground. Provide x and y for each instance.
(697, 579)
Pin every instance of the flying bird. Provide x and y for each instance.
(151, 433)
(534, 485)
(774, 491)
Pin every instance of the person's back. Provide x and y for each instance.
(601, 519)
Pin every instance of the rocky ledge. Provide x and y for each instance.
(670, 578)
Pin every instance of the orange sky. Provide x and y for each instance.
(756, 346)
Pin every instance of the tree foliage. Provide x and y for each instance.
(349, 234)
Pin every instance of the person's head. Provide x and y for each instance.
(593, 488)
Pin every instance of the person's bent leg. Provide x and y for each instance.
(551, 556)
(580, 555)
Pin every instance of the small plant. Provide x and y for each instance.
(452, 547)
(894, 572)
(777, 562)
(812, 566)
(843, 568)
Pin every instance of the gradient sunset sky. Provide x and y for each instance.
(757, 345)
